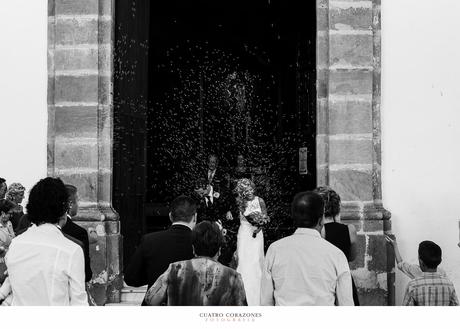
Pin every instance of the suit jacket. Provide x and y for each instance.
(23, 225)
(214, 210)
(155, 252)
(77, 232)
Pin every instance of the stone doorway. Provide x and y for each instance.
(81, 51)
(233, 78)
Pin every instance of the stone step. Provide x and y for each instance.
(133, 295)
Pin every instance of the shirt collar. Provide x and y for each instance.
(431, 274)
(307, 231)
(180, 225)
(50, 227)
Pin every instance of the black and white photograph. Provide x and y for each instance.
(245, 154)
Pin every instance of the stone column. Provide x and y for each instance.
(80, 106)
(348, 141)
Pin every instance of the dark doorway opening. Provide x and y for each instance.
(199, 77)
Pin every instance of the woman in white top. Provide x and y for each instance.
(250, 239)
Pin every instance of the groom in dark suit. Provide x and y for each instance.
(212, 192)
(215, 204)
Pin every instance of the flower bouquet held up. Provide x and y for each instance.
(258, 220)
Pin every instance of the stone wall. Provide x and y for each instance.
(348, 141)
(80, 61)
(80, 42)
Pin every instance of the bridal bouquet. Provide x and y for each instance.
(258, 220)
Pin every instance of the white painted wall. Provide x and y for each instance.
(23, 90)
(421, 127)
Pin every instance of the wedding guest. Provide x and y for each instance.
(305, 269)
(159, 249)
(340, 235)
(71, 231)
(411, 270)
(241, 170)
(201, 281)
(6, 227)
(432, 288)
(45, 267)
(15, 194)
(6, 233)
(76, 231)
(3, 188)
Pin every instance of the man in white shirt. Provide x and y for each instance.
(44, 267)
(304, 269)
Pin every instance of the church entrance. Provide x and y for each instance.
(233, 78)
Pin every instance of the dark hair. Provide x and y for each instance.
(331, 200)
(3, 181)
(48, 201)
(6, 205)
(307, 209)
(71, 190)
(182, 209)
(430, 254)
(207, 239)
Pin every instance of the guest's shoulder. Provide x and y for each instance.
(26, 235)
(281, 243)
(335, 224)
(75, 226)
(154, 235)
(75, 230)
(415, 282)
(228, 271)
(331, 249)
(446, 281)
(181, 266)
(68, 245)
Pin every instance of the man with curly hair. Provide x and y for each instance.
(46, 268)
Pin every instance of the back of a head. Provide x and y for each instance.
(183, 208)
(331, 200)
(71, 190)
(13, 190)
(207, 239)
(430, 253)
(307, 209)
(6, 205)
(73, 202)
(48, 201)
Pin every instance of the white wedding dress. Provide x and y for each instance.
(250, 252)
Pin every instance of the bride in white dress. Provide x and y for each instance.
(250, 241)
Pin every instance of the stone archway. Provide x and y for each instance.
(80, 129)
